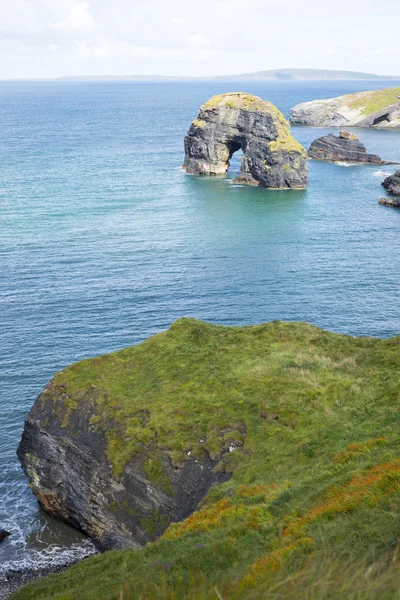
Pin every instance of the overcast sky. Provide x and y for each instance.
(52, 38)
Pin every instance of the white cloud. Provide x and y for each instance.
(378, 51)
(198, 39)
(44, 38)
(86, 51)
(79, 19)
(331, 51)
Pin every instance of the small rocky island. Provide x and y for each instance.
(228, 122)
(378, 108)
(392, 186)
(345, 147)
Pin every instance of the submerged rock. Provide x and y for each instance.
(378, 108)
(392, 184)
(345, 147)
(233, 121)
(4, 535)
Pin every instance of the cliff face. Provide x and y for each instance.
(226, 123)
(345, 147)
(379, 108)
(105, 461)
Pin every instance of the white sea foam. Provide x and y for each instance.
(346, 164)
(49, 557)
(381, 173)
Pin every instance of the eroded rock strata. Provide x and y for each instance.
(378, 108)
(345, 147)
(228, 122)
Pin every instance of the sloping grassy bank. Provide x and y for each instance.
(312, 508)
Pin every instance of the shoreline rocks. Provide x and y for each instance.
(346, 148)
(392, 202)
(378, 109)
(228, 122)
(4, 535)
(392, 184)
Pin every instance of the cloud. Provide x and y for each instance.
(86, 51)
(79, 19)
(178, 21)
(378, 51)
(331, 51)
(198, 39)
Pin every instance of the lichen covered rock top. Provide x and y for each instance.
(233, 121)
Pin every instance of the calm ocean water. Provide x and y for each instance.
(105, 241)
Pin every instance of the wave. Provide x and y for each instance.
(49, 557)
(382, 173)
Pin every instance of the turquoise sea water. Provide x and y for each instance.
(105, 241)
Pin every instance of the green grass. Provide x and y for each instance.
(370, 102)
(312, 507)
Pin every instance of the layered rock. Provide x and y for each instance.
(379, 108)
(228, 122)
(105, 450)
(346, 147)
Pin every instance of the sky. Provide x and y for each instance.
(55, 38)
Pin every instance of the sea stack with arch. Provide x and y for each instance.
(228, 122)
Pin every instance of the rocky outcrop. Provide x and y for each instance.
(107, 448)
(69, 472)
(392, 202)
(345, 147)
(228, 122)
(4, 535)
(392, 184)
(379, 108)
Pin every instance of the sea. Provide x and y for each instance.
(105, 241)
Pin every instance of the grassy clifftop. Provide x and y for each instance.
(370, 102)
(312, 508)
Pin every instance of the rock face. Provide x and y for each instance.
(104, 449)
(69, 473)
(228, 122)
(4, 535)
(392, 184)
(379, 108)
(345, 147)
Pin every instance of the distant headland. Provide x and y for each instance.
(269, 75)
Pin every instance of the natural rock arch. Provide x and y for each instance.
(228, 122)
